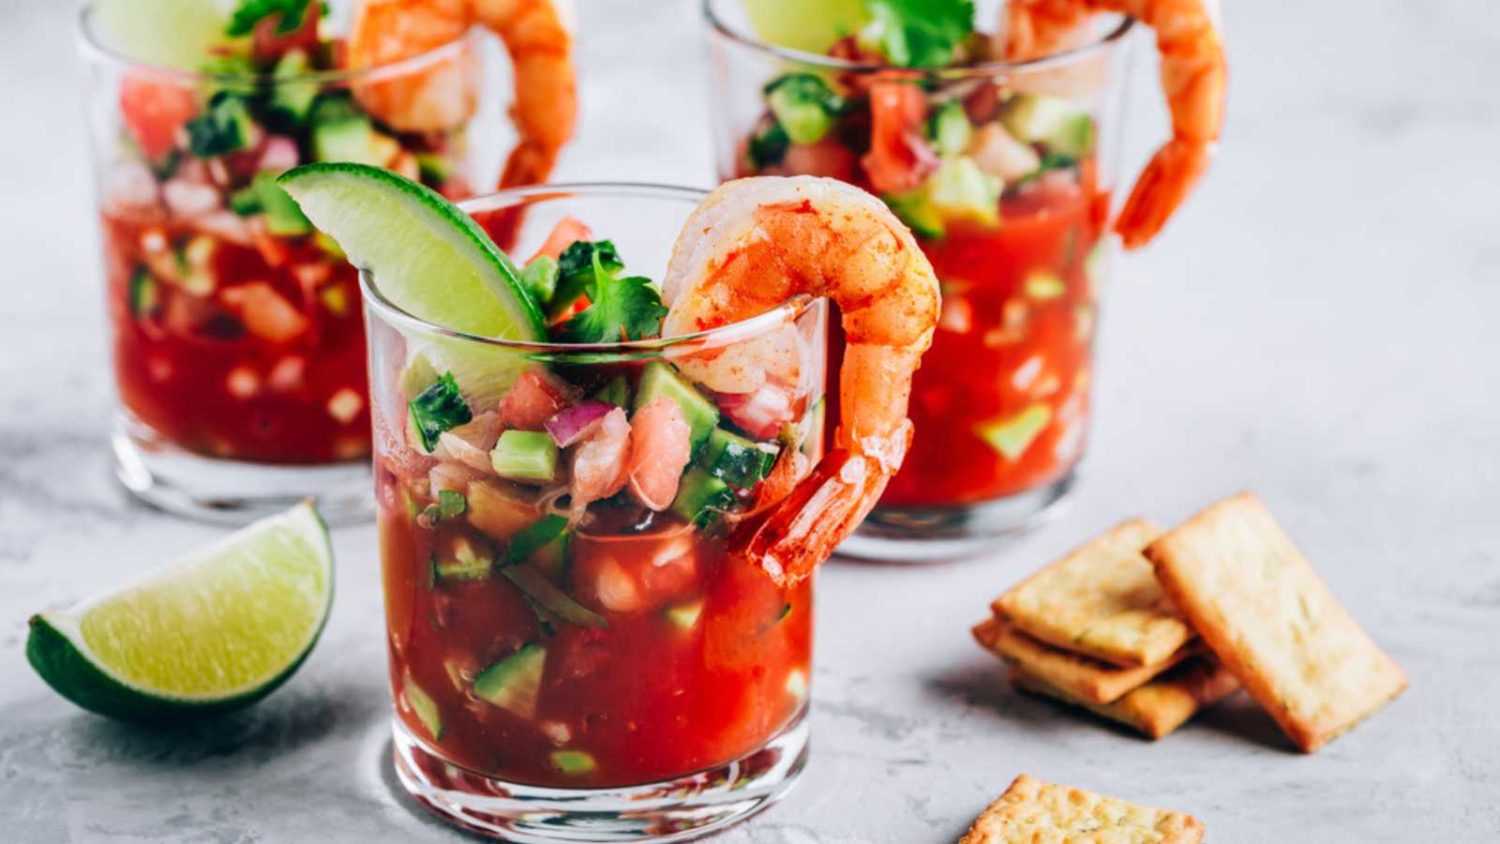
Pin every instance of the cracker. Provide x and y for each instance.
(1257, 603)
(1032, 811)
(1083, 678)
(1160, 706)
(1101, 600)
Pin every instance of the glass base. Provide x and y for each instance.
(929, 534)
(683, 809)
(229, 491)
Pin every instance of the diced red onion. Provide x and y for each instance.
(571, 424)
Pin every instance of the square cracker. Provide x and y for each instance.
(1101, 600)
(1160, 706)
(1256, 601)
(1035, 812)
(1083, 678)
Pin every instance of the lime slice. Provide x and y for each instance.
(171, 33)
(431, 259)
(810, 26)
(215, 631)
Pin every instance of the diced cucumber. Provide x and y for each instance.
(553, 600)
(450, 505)
(804, 105)
(1043, 285)
(424, 707)
(914, 207)
(527, 456)
(196, 262)
(224, 126)
(768, 147)
(659, 379)
(737, 461)
(701, 497)
(616, 392)
(534, 537)
(340, 132)
(144, 293)
(464, 560)
(959, 190)
(514, 683)
(573, 762)
(293, 97)
(436, 409)
(283, 216)
(1057, 124)
(417, 375)
(949, 128)
(433, 168)
(245, 201)
(1012, 435)
(684, 616)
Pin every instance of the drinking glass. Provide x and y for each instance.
(561, 674)
(1014, 219)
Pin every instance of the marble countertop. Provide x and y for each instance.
(1317, 325)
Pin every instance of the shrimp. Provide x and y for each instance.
(535, 33)
(756, 243)
(1193, 75)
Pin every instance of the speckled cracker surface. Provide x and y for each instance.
(1160, 706)
(1083, 678)
(1269, 618)
(1101, 600)
(1035, 812)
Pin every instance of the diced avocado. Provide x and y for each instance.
(449, 505)
(684, 616)
(701, 497)
(540, 278)
(283, 216)
(545, 594)
(295, 98)
(465, 559)
(1012, 435)
(197, 265)
(915, 209)
(514, 683)
(245, 201)
(616, 392)
(340, 132)
(528, 456)
(436, 409)
(1043, 285)
(224, 126)
(424, 707)
(949, 128)
(1057, 124)
(144, 293)
(737, 461)
(768, 147)
(573, 762)
(659, 379)
(959, 190)
(804, 106)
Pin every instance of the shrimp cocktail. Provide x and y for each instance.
(238, 339)
(602, 484)
(998, 151)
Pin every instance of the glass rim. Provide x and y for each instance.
(93, 46)
(986, 68)
(717, 337)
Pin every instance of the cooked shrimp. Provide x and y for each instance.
(536, 36)
(1193, 75)
(752, 245)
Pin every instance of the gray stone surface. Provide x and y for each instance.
(1318, 326)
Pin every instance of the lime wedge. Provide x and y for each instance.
(172, 33)
(215, 631)
(430, 259)
(810, 26)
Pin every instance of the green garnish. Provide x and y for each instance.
(919, 33)
(533, 538)
(251, 12)
(616, 392)
(223, 127)
(627, 308)
(579, 267)
(573, 762)
(437, 409)
(949, 128)
(145, 297)
(540, 278)
(804, 106)
(768, 147)
(450, 505)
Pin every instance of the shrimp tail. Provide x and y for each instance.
(1160, 189)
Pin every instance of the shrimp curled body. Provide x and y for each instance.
(535, 34)
(755, 243)
(1193, 76)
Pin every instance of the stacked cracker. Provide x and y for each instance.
(1147, 628)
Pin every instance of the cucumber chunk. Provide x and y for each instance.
(737, 461)
(514, 683)
(145, 296)
(340, 132)
(465, 560)
(949, 128)
(804, 105)
(424, 707)
(1057, 124)
(295, 99)
(684, 616)
(616, 392)
(573, 762)
(701, 497)
(283, 216)
(659, 379)
(1012, 435)
(438, 408)
(959, 190)
(535, 537)
(527, 456)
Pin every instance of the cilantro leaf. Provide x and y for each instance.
(627, 308)
(251, 12)
(225, 126)
(919, 33)
(579, 267)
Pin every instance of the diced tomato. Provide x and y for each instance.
(661, 443)
(532, 400)
(154, 111)
(899, 157)
(564, 234)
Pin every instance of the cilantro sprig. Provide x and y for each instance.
(620, 307)
(919, 33)
(251, 12)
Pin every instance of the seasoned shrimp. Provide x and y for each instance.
(1193, 75)
(752, 245)
(535, 34)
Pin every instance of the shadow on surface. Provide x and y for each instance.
(1239, 715)
(385, 770)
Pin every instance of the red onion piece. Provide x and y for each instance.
(571, 424)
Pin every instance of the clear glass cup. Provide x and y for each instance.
(1013, 212)
(238, 344)
(631, 680)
